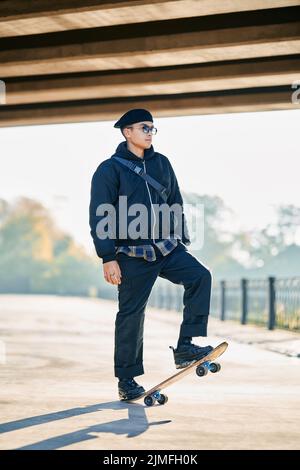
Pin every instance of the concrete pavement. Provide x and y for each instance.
(58, 390)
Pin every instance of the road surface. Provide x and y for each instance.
(58, 390)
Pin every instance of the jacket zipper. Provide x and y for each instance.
(150, 203)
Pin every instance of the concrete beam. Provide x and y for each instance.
(19, 18)
(201, 78)
(166, 106)
(154, 51)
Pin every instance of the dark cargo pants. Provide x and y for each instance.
(138, 277)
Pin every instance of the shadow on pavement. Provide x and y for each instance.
(136, 424)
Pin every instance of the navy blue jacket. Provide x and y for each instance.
(111, 180)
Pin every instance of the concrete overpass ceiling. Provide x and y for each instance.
(20, 18)
(72, 61)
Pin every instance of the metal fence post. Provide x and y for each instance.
(272, 304)
(160, 298)
(163, 296)
(169, 298)
(179, 300)
(153, 297)
(244, 286)
(223, 306)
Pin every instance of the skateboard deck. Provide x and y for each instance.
(202, 367)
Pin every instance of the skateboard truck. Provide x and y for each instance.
(161, 398)
(208, 366)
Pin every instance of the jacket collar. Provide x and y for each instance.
(122, 151)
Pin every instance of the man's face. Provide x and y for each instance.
(136, 136)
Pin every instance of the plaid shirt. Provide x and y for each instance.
(147, 251)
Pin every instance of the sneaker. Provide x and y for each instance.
(186, 354)
(129, 389)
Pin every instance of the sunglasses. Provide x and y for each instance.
(145, 129)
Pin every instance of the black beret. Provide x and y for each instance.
(132, 116)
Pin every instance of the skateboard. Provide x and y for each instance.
(201, 367)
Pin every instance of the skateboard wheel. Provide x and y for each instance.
(149, 400)
(162, 400)
(214, 367)
(201, 371)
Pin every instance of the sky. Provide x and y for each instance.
(250, 160)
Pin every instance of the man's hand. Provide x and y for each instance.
(112, 272)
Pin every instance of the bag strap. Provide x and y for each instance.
(140, 172)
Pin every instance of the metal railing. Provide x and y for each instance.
(288, 303)
(271, 302)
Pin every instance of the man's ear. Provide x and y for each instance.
(122, 130)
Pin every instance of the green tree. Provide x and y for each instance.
(36, 257)
(216, 252)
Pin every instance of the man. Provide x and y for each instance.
(133, 264)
